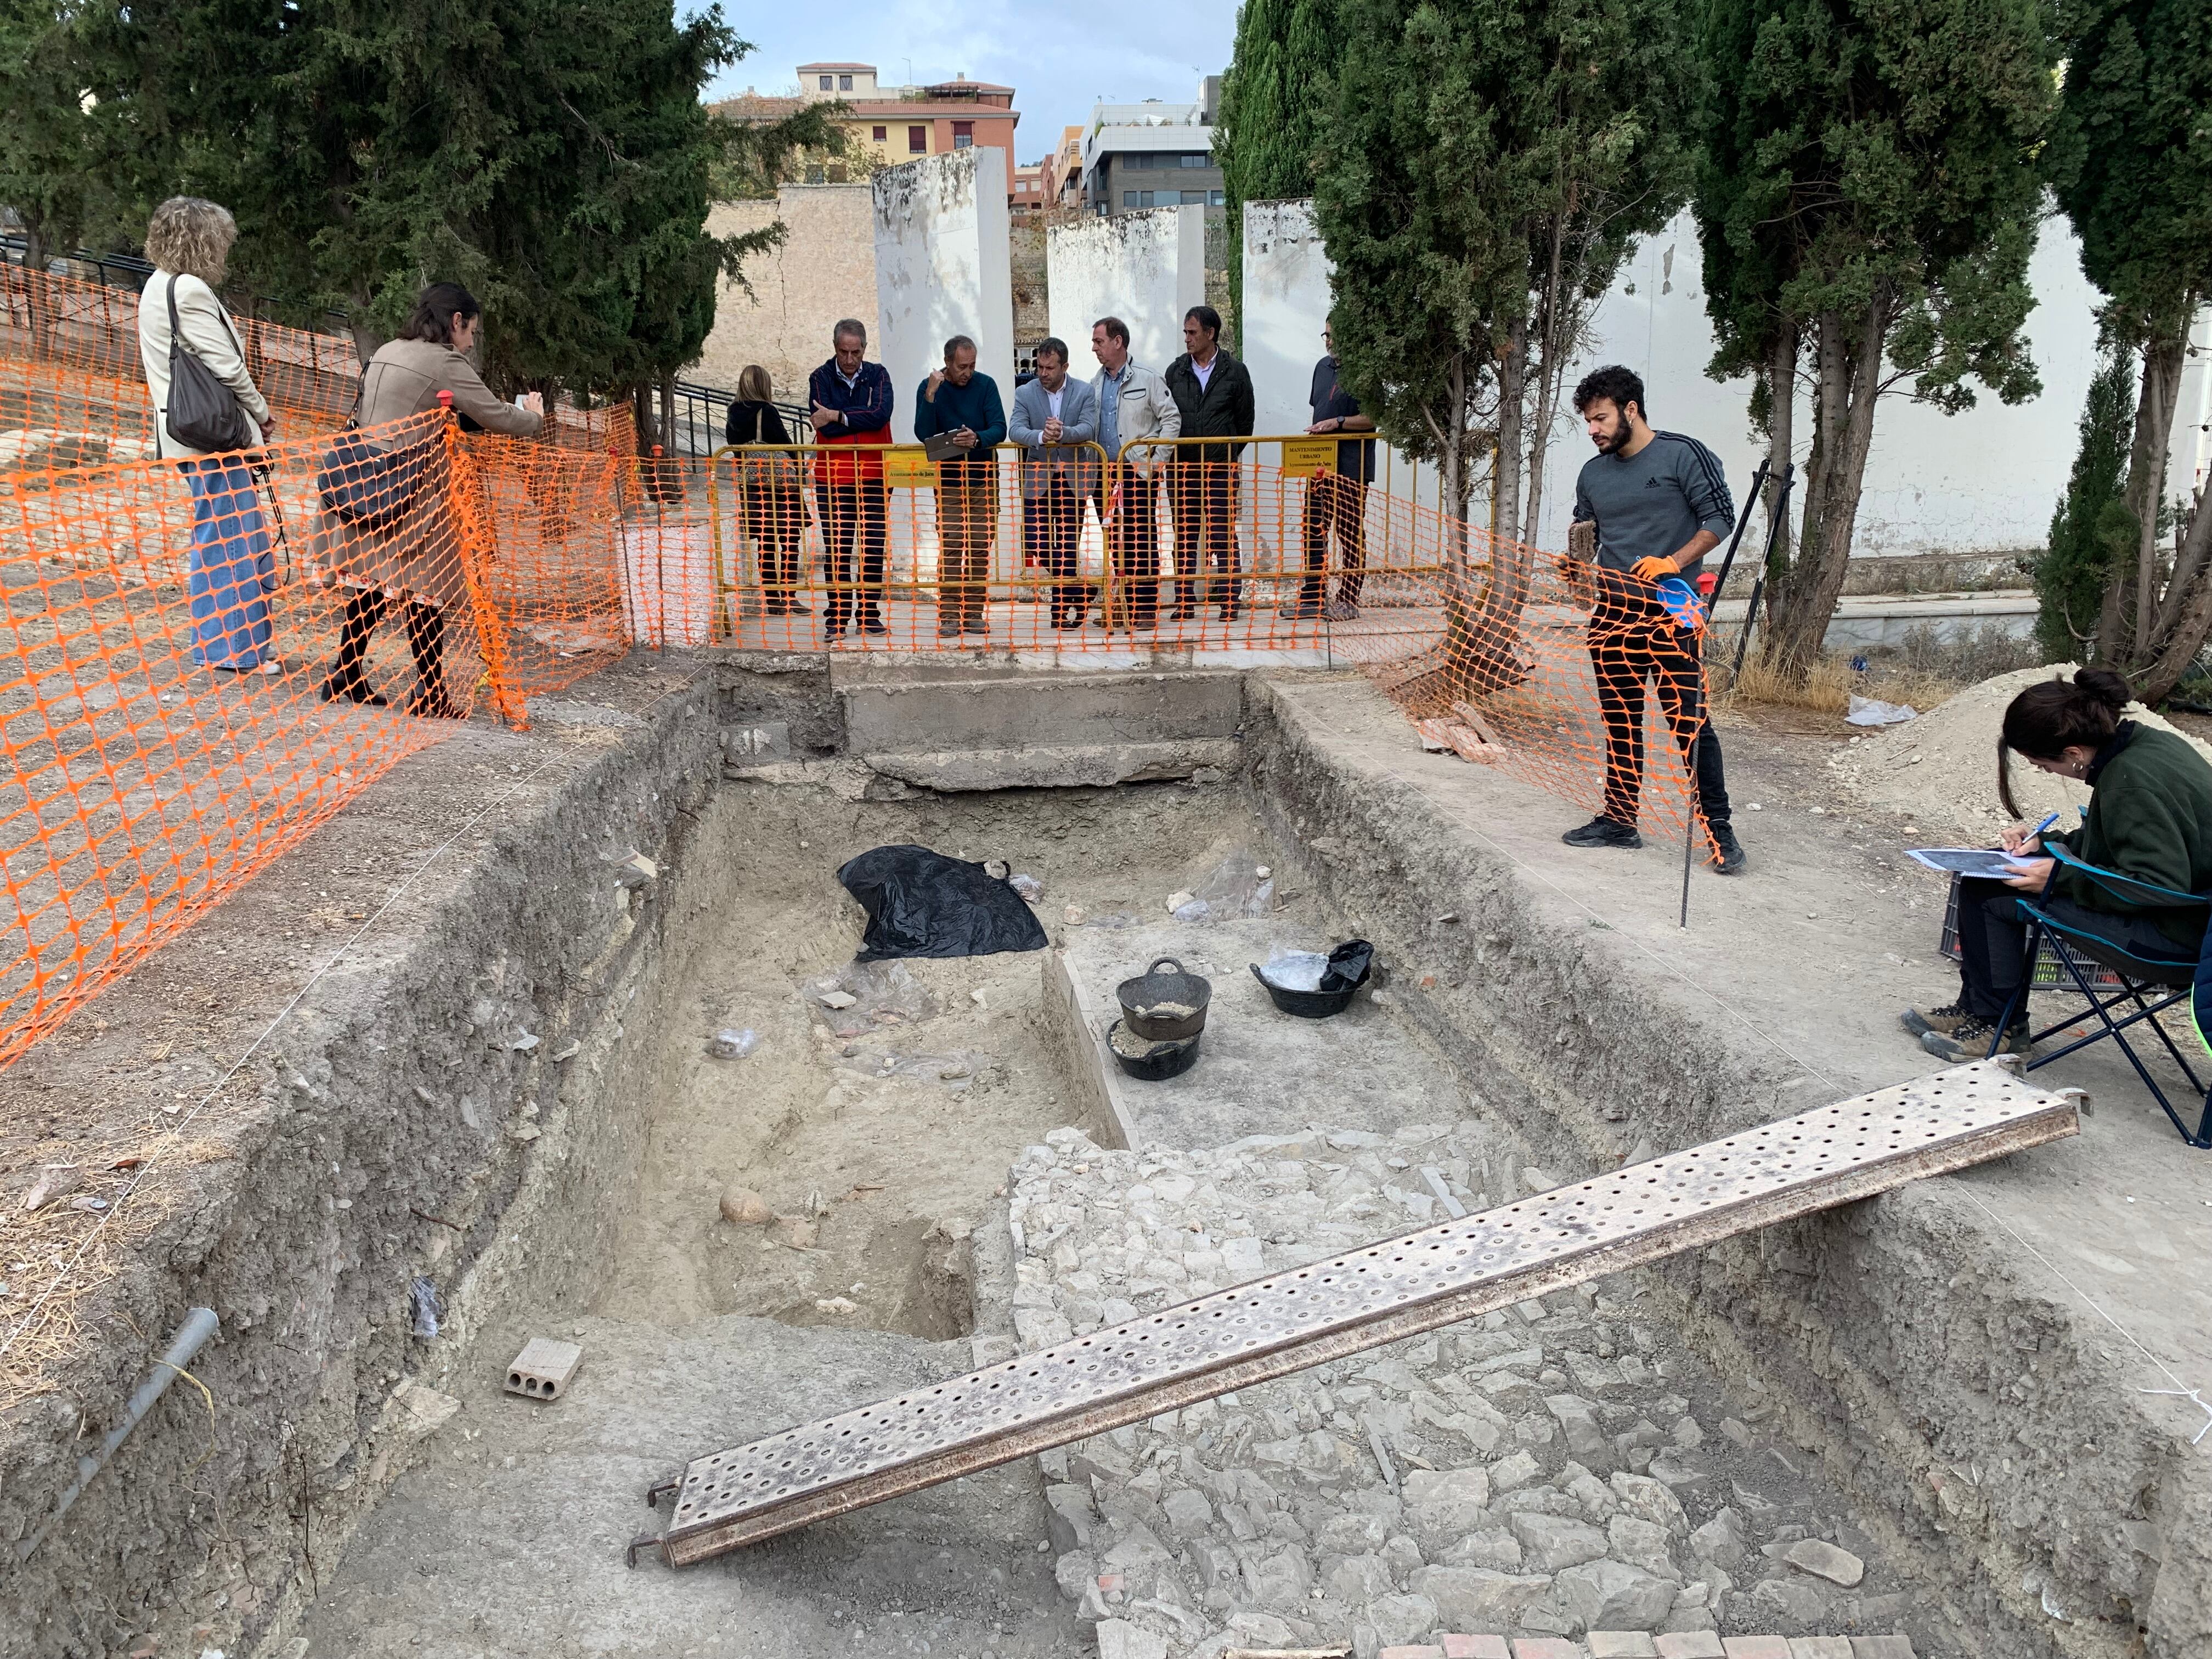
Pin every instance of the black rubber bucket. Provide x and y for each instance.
(1154, 1063)
(1349, 965)
(1184, 995)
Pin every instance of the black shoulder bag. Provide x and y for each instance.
(203, 413)
(368, 487)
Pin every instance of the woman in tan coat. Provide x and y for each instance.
(415, 560)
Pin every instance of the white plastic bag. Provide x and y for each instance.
(1868, 711)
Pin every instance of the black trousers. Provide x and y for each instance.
(1633, 639)
(1993, 940)
(1204, 494)
(855, 530)
(775, 517)
(1052, 528)
(1133, 540)
(1336, 502)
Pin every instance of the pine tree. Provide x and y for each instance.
(2093, 529)
(1273, 100)
(555, 158)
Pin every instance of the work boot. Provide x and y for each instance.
(1970, 1040)
(1942, 1021)
(1604, 832)
(1727, 847)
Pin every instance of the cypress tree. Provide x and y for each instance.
(1273, 111)
(2092, 531)
(2130, 160)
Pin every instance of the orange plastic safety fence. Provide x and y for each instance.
(877, 550)
(1574, 678)
(204, 659)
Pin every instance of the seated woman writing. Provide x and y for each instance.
(2149, 818)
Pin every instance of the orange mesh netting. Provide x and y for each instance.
(153, 769)
(156, 760)
(93, 327)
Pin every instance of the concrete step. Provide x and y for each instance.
(1043, 730)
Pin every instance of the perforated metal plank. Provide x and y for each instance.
(1398, 1288)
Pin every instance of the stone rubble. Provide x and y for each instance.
(1536, 1472)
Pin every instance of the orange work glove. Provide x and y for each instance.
(1650, 570)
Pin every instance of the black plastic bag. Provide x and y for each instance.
(1348, 965)
(921, 904)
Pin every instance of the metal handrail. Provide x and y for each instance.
(802, 452)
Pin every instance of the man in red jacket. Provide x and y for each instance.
(852, 405)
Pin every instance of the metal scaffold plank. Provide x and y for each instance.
(1398, 1288)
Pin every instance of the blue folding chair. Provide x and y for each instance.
(2169, 982)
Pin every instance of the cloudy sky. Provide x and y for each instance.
(1059, 62)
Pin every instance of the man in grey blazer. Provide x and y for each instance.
(1056, 420)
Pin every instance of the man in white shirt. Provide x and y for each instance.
(1056, 420)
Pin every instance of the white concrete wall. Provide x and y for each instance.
(1983, 481)
(1147, 268)
(943, 267)
(1286, 303)
(1286, 307)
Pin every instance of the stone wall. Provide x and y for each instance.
(824, 270)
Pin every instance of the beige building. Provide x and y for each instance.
(824, 271)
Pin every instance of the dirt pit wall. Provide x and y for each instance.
(407, 1120)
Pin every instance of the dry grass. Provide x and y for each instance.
(1828, 686)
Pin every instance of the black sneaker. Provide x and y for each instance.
(1970, 1040)
(1603, 832)
(1942, 1021)
(1730, 849)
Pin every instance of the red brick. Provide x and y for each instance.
(1476, 1647)
(1545, 1647)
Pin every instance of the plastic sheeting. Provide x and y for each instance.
(921, 904)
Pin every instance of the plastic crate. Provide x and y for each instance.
(2049, 975)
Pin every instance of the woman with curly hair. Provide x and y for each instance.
(232, 574)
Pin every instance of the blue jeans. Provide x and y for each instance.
(231, 570)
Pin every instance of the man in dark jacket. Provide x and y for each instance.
(1213, 391)
(851, 400)
(963, 405)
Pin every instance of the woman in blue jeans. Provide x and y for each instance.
(232, 573)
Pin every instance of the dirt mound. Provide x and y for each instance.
(1941, 769)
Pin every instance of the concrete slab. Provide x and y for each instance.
(956, 712)
(1259, 1070)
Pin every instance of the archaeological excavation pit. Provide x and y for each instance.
(919, 1167)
